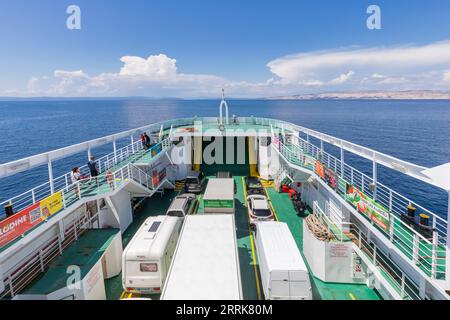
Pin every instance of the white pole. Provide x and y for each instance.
(132, 144)
(50, 176)
(447, 255)
(375, 176)
(342, 161)
(115, 151)
(89, 153)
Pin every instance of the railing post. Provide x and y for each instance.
(362, 182)
(416, 249)
(374, 177)
(50, 176)
(390, 200)
(115, 151)
(11, 287)
(342, 161)
(41, 261)
(360, 239)
(351, 175)
(375, 255)
(434, 255)
(79, 189)
(132, 143)
(60, 245)
(33, 196)
(391, 227)
(402, 290)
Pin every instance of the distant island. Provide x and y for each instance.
(371, 95)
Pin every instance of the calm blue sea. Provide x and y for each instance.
(416, 131)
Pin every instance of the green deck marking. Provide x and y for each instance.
(84, 253)
(321, 290)
(246, 262)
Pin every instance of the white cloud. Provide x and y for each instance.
(396, 68)
(343, 78)
(446, 76)
(369, 63)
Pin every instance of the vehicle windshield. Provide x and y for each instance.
(176, 213)
(191, 180)
(262, 212)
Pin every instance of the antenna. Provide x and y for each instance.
(223, 94)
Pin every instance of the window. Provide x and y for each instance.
(149, 267)
(262, 213)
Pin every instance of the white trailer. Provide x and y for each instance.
(284, 274)
(206, 262)
(146, 259)
(219, 196)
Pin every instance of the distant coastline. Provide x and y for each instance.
(344, 95)
(371, 95)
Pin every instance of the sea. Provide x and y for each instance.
(415, 131)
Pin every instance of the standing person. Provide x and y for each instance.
(144, 142)
(93, 169)
(75, 176)
(147, 140)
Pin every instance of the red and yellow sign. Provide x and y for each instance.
(320, 169)
(16, 225)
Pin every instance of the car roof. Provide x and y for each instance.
(260, 203)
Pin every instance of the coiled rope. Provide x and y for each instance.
(316, 226)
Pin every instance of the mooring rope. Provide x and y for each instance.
(317, 227)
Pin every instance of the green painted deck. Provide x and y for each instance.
(155, 206)
(285, 212)
(84, 253)
(250, 276)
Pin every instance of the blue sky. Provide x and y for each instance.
(192, 48)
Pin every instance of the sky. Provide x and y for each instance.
(193, 48)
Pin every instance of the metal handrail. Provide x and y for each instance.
(405, 288)
(418, 253)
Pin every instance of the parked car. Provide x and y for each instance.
(259, 209)
(194, 183)
(182, 205)
(254, 186)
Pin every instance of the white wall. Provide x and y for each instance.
(113, 258)
(122, 204)
(329, 261)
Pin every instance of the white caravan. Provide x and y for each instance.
(283, 272)
(147, 257)
(206, 263)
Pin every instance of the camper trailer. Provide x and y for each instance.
(147, 257)
(284, 275)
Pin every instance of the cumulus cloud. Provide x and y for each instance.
(395, 68)
(343, 78)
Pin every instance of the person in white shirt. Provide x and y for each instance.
(75, 175)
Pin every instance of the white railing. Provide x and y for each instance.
(108, 180)
(428, 254)
(29, 268)
(397, 279)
